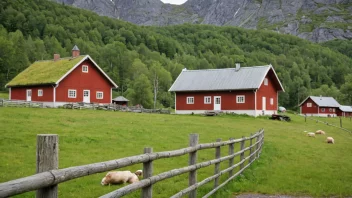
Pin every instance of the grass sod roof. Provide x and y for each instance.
(44, 72)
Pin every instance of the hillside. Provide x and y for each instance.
(133, 55)
(315, 20)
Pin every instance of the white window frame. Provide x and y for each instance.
(97, 95)
(240, 99)
(40, 92)
(266, 81)
(73, 91)
(322, 109)
(333, 110)
(271, 101)
(309, 104)
(207, 99)
(190, 100)
(85, 68)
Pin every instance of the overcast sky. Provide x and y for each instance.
(174, 1)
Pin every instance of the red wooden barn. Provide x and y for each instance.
(241, 90)
(319, 106)
(63, 80)
(344, 111)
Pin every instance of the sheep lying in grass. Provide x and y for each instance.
(320, 132)
(330, 140)
(121, 177)
(311, 134)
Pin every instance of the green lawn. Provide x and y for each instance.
(291, 162)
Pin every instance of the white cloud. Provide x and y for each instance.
(177, 2)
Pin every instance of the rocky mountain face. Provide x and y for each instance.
(315, 20)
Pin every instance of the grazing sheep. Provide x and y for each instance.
(330, 140)
(121, 177)
(320, 132)
(311, 134)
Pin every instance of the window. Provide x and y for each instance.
(330, 109)
(322, 109)
(333, 110)
(272, 101)
(240, 99)
(207, 100)
(85, 68)
(71, 93)
(40, 92)
(309, 104)
(266, 81)
(100, 95)
(190, 100)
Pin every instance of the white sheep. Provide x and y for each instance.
(121, 177)
(330, 140)
(320, 132)
(311, 134)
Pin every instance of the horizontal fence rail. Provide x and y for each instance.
(53, 177)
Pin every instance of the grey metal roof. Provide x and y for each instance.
(75, 48)
(120, 99)
(221, 79)
(324, 101)
(346, 108)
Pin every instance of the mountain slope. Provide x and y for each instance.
(314, 20)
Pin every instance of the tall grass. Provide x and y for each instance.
(291, 162)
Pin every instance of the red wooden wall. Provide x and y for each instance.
(268, 91)
(228, 100)
(20, 93)
(94, 81)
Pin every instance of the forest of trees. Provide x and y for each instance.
(145, 61)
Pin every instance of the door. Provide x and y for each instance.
(264, 104)
(217, 102)
(29, 95)
(86, 96)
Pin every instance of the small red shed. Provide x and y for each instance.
(63, 80)
(241, 90)
(344, 111)
(319, 106)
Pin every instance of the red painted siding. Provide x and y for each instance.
(309, 110)
(228, 100)
(315, 109)
(20, 93)
(269, 92)
(79, 81)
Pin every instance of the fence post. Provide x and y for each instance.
(47, 159)
(231, 151)
(147, 192)
(251, 148)
(193, 141)
(217, 165)
(262, 142)
(257, 146)
(242, 154)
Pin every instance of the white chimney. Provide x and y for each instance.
(184, 69)
(238, 66)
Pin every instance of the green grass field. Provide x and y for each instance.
(4, 95)
(291, 162)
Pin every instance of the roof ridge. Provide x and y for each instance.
(232, 68)
(69, 57)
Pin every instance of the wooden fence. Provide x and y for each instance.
(20, 103)
(49, 176)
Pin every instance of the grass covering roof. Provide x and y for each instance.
(44, 72)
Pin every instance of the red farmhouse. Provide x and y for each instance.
(63, 80)
(344, 111)
(319, 106)
(246, 90)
